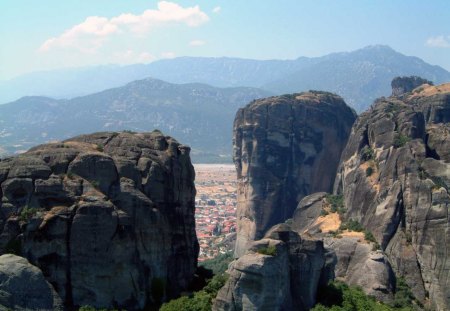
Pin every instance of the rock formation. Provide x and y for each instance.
(282, 271)
(395, 177)
(285, 147)
(107, 217)
(358, 261)
(401, 85)
(23, 287)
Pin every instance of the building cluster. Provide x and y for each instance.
(215, 212)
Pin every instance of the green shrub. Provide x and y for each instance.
(89, 308)
(324, 212)
(219, 264)
(403, 297)
(198, 301)
(438, 183)
(14, 246)
(369, 237)
(352, 225)
(336, 202)
(400, 140)
(338, 296)
(392, 108)
(95, 184)
(27, 213)
(269, 250)
(158, 289)
(100, 147)
(369, 171)
(367, 154)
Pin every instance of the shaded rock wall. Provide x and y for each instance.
(107, 217)
(358, 261)
(401, 85)
(23, 287)
(285, 148)
(286, 279)
(394, 176)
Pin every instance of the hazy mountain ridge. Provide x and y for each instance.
(197, 114)
(359, 76)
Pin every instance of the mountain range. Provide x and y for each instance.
(359, 76)
(197, 114)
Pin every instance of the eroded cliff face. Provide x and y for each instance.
(285, 147)
(282, 271)
(395, 178)
(107, 217)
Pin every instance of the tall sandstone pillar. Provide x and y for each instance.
(285, 148)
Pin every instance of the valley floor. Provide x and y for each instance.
(215, 212)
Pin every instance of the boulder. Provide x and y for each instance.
(24, 288)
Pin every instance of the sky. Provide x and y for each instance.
(53, 34)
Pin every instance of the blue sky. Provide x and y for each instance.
(51, 34)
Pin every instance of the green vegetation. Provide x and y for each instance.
(129, 132)
(14, 246)
(158, 289)
(404, 297)
(27, 213)
(336, 202)
(352, 225)
(392, 109)
(338, 296)
(198, 301)
(269, 250)
(438, 183)
(400, 140)
(324, 212)
(100, 147)
(367, 154)
(95, 184)
(219, 264)
(369, 171)
(70, 175)
(422, 173)
(89, 308)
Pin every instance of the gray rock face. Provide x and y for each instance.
(286, 280)
(107, 217)
(23, 287)
(357, 264)
(285, 148)
(394, 176)
(401, 85)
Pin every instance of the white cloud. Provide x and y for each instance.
(197, 43)
(439, 42)
(168, 55)
(95, 30)
(217, 9)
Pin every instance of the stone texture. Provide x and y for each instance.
(405, 201)
(357, 263)
(23, 287)
(288, 280)
(285, 147)
(401, 85)
(107, 217)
